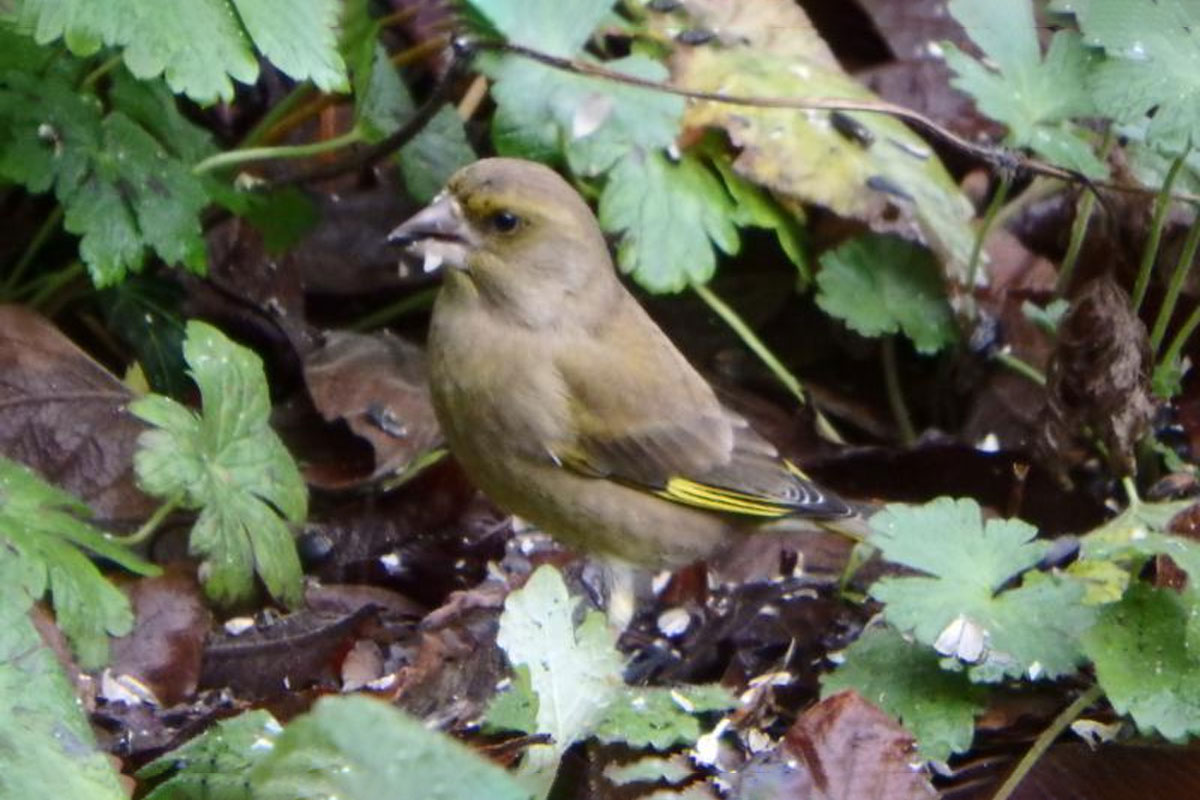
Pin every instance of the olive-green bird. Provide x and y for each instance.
(563, 401)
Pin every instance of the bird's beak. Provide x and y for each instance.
(439, 233)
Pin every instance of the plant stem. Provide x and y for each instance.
(1021, 367)
(1161, 205)
(233, 158)
(264, 129)
(1079, 226)
(53, 282)
(413, 302)
(92, 78)
(751, 340)
(1176, 349)
(1045, 739)
(1182, 268)
(989, 217)
(146, 531)
(419, 51)
(895, 394)
(48, 226)
(1131, 491)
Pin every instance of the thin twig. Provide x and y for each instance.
(998, 157)
(369, 156)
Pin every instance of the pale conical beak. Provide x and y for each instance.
(438, 233)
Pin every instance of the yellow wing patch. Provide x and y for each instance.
(714, 498)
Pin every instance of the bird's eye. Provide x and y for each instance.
(505, 221)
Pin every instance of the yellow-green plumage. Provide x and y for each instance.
(564, 401)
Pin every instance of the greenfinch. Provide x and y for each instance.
(563, 400)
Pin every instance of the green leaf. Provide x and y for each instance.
(961, 608)
(542, 112)
(1167, 378)
(557, 27)
(228, 463)
(124, 190)
(383, 105)
(282, 216)
(1140, 532)
(217, 763)
(1035, 98)
(1152, 67)
(667, 213)
(937, 706)
(661, 718)
(889, 178)
(198, 46)
(884, 285)
(575, 672)
(143, 311)
(41, 538)
(298, 38)
(514, 708)
(46, 745)
(1144, 663)
(356, 748)
(756, 208)
(649, 769)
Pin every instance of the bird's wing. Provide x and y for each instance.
(643, 416)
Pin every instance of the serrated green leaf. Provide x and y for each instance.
(1031, 630)
(383, 104)
(1034, 98)
(1142, 660)
(228, 463)
(661, 718)
(46, 745)
(558, 27)
(298, 38)
(669, 216)
(162, 41)
(357, 748)
(1139, 532)
(649, 769)
(41, 535)
(514, 708)
(574, 671)
(755, 208)
(884, 285)
(216, 764)
(123, 189)
(937, 706)
(1151, 72)
(893, 182)
(166, 40)
(543, 112)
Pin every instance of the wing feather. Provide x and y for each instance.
(669, 435)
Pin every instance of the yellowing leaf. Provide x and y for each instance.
(865, 166)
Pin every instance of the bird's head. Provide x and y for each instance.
(513, 234)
